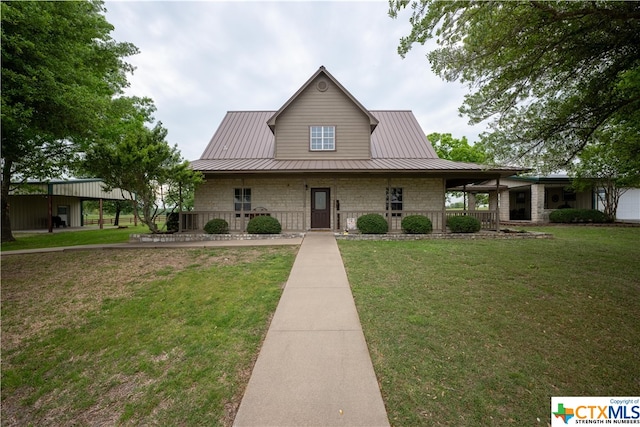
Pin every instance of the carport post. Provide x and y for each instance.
(100, 220)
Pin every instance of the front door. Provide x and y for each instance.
(320, 211)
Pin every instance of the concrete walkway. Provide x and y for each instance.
(314, 367)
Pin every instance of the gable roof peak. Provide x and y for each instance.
(322, 70)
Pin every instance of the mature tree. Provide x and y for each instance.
(133, 157)
(549, 75)
(60, 69)
(459, 150)
(611, 166)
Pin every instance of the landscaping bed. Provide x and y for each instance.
(205, 237)
(502, 234)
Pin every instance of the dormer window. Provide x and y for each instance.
(323, 138)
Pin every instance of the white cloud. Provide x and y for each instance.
(201, 59)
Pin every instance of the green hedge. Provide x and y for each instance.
(173, 222)
(372, 224)
(264, 225)
(217, 226)
(578, 215)
(416, 224)
(463, 224)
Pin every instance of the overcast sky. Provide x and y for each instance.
(199, 60)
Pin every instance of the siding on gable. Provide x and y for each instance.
(329, 108)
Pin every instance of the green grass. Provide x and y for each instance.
(154, 337)
(72, 238)
(474, 333)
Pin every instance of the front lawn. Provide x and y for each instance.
(150, 337)
(466, 332)
(72, 237)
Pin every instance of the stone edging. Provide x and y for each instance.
(203, 237)
(439, 236)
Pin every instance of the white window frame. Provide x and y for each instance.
(322, 138)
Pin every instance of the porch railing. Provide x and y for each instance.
(196, 220)
(488, 219)
(346, 220)
(342, 220)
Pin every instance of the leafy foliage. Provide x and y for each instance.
(130, 156)
(264, 225)
(372, 224)
(463, 224)
(416, 224)
(568, 216)
(60, 69)
(548, 74)
(217, 226)
(610, 166)
(458, 150)
(173, 222)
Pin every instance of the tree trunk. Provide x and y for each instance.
(7, 235)
(146, 217)
(116, 221)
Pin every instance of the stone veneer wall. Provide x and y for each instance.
(361, 193)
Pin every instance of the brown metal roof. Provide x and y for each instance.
(241, 135)
(244, 143)
(399, 136)
(246, 135)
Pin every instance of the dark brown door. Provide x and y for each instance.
(320, 211)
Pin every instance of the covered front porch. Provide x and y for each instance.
(292, 221)
(318, 202)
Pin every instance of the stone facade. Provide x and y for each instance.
(289, 197)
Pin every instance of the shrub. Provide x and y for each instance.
(173, 222)
(463, 224)
(416, 224)
(372, 224)
(217, 226)
(578, 215)
(264, 225)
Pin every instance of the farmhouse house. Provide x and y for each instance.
(322, 160)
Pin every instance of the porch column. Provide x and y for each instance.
(472, 201)
(505, 207)
(242, 229)
(444, 205)
(389, 222)
(537, 203)
(464, 197)
(498, 203)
